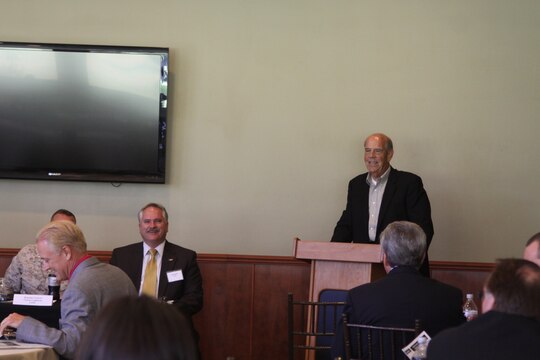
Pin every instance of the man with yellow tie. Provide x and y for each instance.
(159, 268)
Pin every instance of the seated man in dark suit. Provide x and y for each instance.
(404, 295)
(509, 327)
(175, 278)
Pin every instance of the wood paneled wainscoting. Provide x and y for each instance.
(245, 299)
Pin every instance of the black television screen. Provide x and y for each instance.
(83, 112)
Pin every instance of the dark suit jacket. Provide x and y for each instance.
(400, 298)
(493, 335)
(404, 198)
(186, 294)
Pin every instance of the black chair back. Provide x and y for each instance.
(308, 322)
(367, 342)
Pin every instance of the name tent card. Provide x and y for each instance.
(33, 300)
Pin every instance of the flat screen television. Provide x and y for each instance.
(83, 112)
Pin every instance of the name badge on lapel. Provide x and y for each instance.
(175, 275)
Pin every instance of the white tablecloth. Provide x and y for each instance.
(28, 354)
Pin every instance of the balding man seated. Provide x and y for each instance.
(509, 327)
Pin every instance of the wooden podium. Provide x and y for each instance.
(340, 266)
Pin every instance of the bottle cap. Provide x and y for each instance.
(51, 280)
(470, 296)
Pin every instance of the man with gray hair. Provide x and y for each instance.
(160, 269)
(509, 327)
(404, 295)
(92, 284)
(25, 274)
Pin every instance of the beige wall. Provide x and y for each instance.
(271, 101)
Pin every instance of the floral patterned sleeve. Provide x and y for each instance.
(25, 274)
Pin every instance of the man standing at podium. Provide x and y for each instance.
(381, 196)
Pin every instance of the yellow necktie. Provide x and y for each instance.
(150, 275)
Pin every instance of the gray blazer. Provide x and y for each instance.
(91, 286)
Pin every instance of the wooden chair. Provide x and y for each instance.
(307, 323)
(366, 342)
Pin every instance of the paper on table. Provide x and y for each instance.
(411, 347)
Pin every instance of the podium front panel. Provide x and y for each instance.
(341, 275)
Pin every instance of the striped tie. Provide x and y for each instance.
(150, 275)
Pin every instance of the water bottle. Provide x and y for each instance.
(470, 310)
(420, 353)
(54, 286)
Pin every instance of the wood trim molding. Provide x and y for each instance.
(258, 259)
(8, 252)
(461, 266)
(270, 259)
